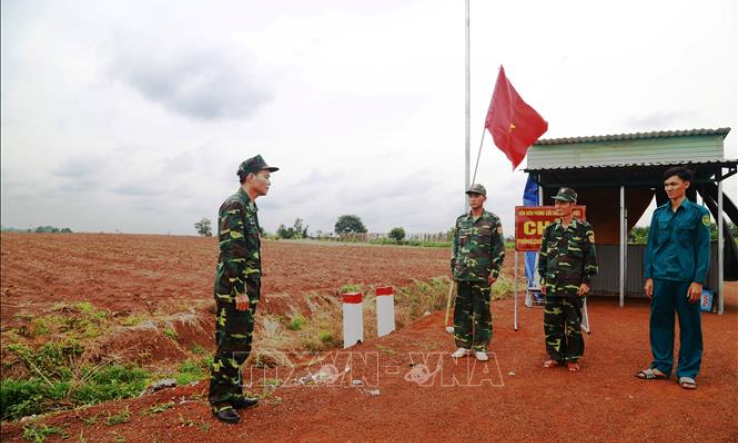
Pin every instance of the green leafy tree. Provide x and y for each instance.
(285, 232)
(203, 227)
(638, 235)
(397, 234)
(350, 224)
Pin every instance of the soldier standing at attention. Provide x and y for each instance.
(478, 253)
(676, 264)
(566, 263)
(237, 288)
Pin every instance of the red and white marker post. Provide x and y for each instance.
(385, 310)
(353, 318)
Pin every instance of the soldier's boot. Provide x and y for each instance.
(244, 402)
(226, 414)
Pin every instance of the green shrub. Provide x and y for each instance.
(298, 321)
(110, 383)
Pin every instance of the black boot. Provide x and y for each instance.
(244, 402)
(226, 414)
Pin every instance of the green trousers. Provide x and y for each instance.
(233, 335)
(562, 319)
(472, 316)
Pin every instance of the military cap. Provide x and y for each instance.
(254, 164)
(566, 195)
(476, 188)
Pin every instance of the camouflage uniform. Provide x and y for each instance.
(478, 252)
(566, 260)
(238, 272)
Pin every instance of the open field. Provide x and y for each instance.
(129, 273)
(420, 391)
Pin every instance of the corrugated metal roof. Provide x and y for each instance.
(721, 162)
(633, 136)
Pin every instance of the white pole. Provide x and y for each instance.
(516, 289)
(623, 245)
(467, 155)
(479, 155)
(540, 195)
(353, 318)
(385, 311)
(721, 264)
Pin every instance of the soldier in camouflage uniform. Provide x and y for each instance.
(478, 253)
(237, 288)
(566, 264)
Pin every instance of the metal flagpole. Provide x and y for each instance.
(468, 111)
(479, 154)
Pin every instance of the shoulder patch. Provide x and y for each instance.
(706, 219)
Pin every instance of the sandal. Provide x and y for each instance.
(651, 374)
(550, 364)
(573, 367)
(687, 383)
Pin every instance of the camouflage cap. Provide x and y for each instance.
(254, 164)
(476, 188)
(566, 195)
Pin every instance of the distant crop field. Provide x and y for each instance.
(141, 273)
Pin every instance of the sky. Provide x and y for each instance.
(134, 116)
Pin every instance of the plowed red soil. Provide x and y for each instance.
(128, 273)
(412, 390)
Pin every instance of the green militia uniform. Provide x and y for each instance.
(566, 260)
(238, 272)
(478, 252)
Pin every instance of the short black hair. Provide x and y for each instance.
(680, 171)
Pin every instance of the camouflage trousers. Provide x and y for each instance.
(472, 316)
(562, 318)
(233, 335)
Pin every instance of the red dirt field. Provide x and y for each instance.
(422, 393)
(128, 273)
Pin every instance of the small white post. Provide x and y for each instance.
(353, 318)
(385, 310)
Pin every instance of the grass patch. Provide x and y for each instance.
(158, 409)
(193, 370)
(297, 322)
(38, 434)
(124, 416)
(69, 386)
(171, 333)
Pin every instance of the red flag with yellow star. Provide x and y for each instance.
(513, 124)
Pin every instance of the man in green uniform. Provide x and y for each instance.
(237, 288)
(676, 264)
(566, 263)
(478, 253)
